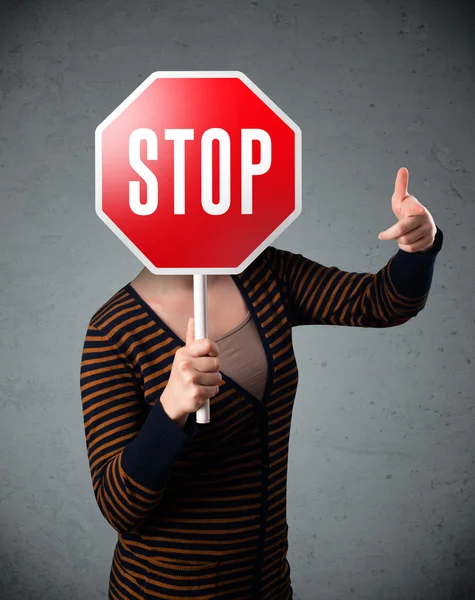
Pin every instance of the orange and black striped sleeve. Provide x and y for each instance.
(130, 448)
(319, 295)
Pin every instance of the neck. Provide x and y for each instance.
(170, 284)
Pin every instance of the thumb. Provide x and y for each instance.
(190, 332)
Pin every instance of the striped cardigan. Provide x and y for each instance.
(201, 512)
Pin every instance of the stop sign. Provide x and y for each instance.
(198, 172)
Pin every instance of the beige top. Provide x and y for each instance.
(242, 357)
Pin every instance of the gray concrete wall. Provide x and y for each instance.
(381, 478)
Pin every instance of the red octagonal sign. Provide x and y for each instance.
(198, 172)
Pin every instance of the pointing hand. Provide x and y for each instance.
(415, 230)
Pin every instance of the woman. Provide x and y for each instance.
(200, 510)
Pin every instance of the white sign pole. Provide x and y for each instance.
(200, 297)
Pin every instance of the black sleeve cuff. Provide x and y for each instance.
(438, 241)
(411, 273)
(191, 426)
(148, 459)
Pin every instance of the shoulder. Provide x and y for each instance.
(113, 325)
(279, 260)
(110, 318)
(103, 311)
(270, 259)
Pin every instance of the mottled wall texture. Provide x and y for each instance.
(381, 497)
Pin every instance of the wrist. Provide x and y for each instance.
(177, 417)
(429, 248)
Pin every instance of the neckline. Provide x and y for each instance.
(258, 403)
(234, 329)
